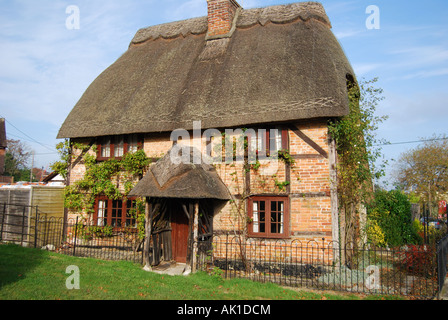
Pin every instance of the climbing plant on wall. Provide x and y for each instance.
(358, 156)
(113, 178)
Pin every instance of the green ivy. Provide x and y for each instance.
(357, 155)
(101, 178)
(286, 157)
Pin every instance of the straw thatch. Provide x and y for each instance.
(179, 179)
(281, 64)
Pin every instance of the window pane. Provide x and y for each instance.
(261, 143)
(102, 213)
(262, 222)
(275, 140)
(259, 216)
(255, 219)
(133, 143)
(116, 213)
(119, 147)
(130, 218)
(262, 215)
(105, 148)
(277, 214)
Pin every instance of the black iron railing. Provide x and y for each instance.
(408, 270)
(442, 260)
(26, 226)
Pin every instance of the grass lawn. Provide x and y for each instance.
(32, 274)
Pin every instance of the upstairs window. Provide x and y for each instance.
(118, 146)
(271, 140)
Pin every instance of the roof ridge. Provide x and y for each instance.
(285, 13)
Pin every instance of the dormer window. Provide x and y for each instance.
(117, 146)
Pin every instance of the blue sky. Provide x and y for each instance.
(45, 67)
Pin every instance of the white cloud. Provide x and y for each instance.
(422, 55)
(361, 69)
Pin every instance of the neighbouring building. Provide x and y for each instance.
(278, 73)
(3, 144)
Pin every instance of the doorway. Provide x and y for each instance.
(179, 234)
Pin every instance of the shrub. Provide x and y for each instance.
(375, 234)
(391, 211)
(418, 259)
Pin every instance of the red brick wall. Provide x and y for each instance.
(220, 16)
(309, 189)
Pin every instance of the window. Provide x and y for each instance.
(269, 217)
(271, 140)
(104, 148)
(115, 213)
(118, 146)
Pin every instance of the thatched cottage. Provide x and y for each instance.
(278, 71)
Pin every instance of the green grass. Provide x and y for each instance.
(32, 274)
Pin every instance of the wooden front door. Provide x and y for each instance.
(179, 235)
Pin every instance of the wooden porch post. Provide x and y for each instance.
(192, 240)
(149, 214)
(147, 236)
(195, 236)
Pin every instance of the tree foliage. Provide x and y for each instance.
(17, 157)
(389, 215)
(424, 169)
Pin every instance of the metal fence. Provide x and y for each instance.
(415, 271)
(442, 260)
(84, 239)
(15, 223)
(409, 271)
(26, 226)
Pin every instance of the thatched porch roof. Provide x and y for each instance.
(166, 179)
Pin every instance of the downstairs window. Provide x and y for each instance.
(269, 217)
(115, 213)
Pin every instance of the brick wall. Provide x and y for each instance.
(309, 189)
(220, 16)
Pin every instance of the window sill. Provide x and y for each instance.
(268, 236)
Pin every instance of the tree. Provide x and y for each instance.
(424, 169)
(17, 157)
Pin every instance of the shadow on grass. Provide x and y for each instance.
(16, 262)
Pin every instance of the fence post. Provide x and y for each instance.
(3, 221)
(23, 226)
(227, 244)
(36, 227)
(76, 235)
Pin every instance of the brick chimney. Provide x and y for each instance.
(221, 14)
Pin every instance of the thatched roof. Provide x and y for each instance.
(281, 64)
(168, 179)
